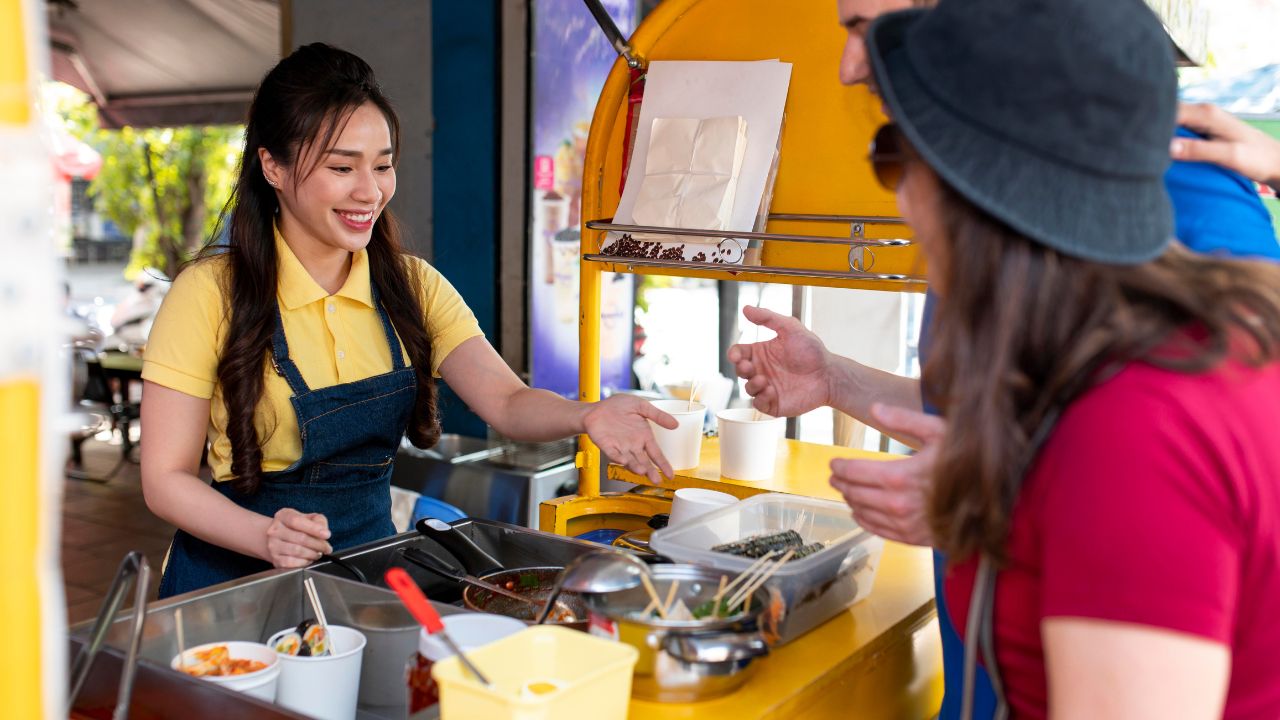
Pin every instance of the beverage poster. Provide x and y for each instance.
(570, 59)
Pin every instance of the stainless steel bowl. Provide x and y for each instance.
(684, 661)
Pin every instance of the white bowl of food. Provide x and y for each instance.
(248, 667)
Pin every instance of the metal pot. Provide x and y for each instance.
(685, 661)
(535, 583)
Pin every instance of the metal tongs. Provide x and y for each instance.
(133, 566)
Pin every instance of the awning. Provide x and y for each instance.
(71, 157)
(177, 62)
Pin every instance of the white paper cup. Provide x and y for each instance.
(261, 684)
(748, 447)
(469, 631)
(689, 503)
(681, 446)
(324, 687)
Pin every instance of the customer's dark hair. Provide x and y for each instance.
(298, 111)
(1023, 327)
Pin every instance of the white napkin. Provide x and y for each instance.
(691, 174)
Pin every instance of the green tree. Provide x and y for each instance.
(170, 184)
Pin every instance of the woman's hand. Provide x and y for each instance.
(619, 426)
(890, 497)
(296, 539)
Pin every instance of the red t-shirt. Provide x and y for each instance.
(1155, 501)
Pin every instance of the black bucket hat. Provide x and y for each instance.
(1054, 116)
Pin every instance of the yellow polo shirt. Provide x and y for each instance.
(332, 339)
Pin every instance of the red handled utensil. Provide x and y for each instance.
(416, 602)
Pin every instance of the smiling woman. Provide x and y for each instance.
(309, 348)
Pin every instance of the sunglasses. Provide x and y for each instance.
(889, 156)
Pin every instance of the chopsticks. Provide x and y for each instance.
(310, 585)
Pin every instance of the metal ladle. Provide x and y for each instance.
(598, 572)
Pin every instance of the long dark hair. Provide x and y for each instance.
(1023, 329)
(304, 102)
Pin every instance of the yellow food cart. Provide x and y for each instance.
(831, 225)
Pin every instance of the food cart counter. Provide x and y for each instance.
(881, 658)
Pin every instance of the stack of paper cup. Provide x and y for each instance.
(748, 443)
(689, 503)
(682, 446)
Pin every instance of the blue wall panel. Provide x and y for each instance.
(465, 86)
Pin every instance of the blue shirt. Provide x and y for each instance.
(1216, 212)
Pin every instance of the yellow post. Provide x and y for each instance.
(589, 374)
(15, 101)
(20, 664)
(32, 385)
(612, 96)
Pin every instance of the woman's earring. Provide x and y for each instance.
(272, 183)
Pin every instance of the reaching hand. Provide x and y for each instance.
(787, 375)
(1230, 142)
(890, 498)
(619, 426)
(295, 539)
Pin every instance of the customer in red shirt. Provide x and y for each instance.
(1110, 459)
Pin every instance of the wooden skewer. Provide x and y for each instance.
(763, 576)
(182, 642)
(654, 600)
(649, 608)
(746, 574)
(671, 597)
(693, 391)
(750, 589)
(715, 602)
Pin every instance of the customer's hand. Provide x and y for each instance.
(788, 375)
(1230, 142)
(619, 426)
(297, 539)
(890, 498)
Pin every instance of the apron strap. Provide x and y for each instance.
(280, 360)
(393, 341)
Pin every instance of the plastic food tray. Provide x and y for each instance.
(813, 589)
(585, 677)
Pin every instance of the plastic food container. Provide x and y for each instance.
(261, 684)
(542, 673)
(813, 589)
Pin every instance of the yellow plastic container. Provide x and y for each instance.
(542, 673)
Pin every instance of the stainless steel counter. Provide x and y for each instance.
(255, 607)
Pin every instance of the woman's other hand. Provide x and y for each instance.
(297, 539)
(619, 426)
(890, 497)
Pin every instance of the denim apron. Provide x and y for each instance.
(350, 433)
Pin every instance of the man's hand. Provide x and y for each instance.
(890, 498)
(296, 539)
(1231, 143)
(788, 375)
